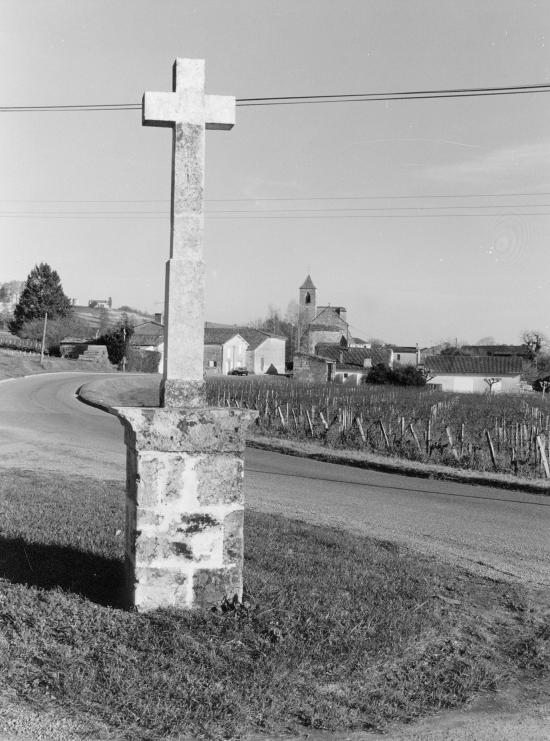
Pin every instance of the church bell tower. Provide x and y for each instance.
(307, 301)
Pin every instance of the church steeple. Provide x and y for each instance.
(307, 301)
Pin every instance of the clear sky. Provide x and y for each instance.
(89, 192)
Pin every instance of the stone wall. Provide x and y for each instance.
(141, 360)
(213, 360)
(310, 369)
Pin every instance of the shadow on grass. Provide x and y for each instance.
(53, 566)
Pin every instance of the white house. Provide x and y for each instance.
(264, 350)
(474, 374)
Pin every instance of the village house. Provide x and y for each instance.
(225, 349)
(473, 374)
(405, 355)
(338, 363)
(265, 350)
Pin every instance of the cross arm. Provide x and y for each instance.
(220, 111)
(158, 109)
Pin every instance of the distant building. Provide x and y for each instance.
(319, 323)
(100, 303)
(225, 348)
(407, 355)
(468, 374)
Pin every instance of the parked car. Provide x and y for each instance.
(238, 372)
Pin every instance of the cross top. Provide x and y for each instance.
(188, 103)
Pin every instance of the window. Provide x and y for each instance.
(261, 364)
(308, 298)
(212, 363)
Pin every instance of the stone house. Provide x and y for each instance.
(468, 374)
(312, 368)
(352, 364)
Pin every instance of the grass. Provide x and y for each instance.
(27, 364)
(336, 631)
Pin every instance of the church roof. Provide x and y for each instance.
(308, 283)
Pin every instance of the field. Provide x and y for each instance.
(482, 432)
(336, 631)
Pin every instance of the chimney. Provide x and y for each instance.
(158, 318)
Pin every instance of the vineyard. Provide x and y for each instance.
(504, 433)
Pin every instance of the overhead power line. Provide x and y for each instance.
(308, 99)
(292, 199)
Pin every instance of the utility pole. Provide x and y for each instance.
(43, 338)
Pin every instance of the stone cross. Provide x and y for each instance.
(189, 111)
(184, 461)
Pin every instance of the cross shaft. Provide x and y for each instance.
(189, 112)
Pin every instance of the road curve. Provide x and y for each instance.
(499, 533)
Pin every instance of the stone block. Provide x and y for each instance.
(233, 541)
(201, 430)
(220, 479)
(210, 586)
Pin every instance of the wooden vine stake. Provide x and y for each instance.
(451, 442)
(417, 441)
(361, 430)
(543, 457)
(309, 423)
(382, 429)
(491, 449)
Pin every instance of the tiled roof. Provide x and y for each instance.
(138, 340)
(308, 283)
(409, 349)
(219, 335)
(351, 368)
(473, 365)
(255, 337)
(316, 358)
(353, 355)
(520, 350)
(149, 328)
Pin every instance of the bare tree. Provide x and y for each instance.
(492, 382)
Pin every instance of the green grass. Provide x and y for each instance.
(336, 632)
(27, 364)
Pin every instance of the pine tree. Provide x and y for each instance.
(42, 293)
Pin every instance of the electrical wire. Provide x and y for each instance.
(308, 99)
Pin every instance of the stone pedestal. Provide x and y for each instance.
(184, 505)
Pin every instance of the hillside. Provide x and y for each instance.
(96, 318)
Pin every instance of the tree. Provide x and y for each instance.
(116, 340)
(406, 375)
(535, 341)
(43, 293)
(56, 330)
(375, 342)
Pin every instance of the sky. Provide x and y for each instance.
(428, 220)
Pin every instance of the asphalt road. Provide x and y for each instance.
(499, 533)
